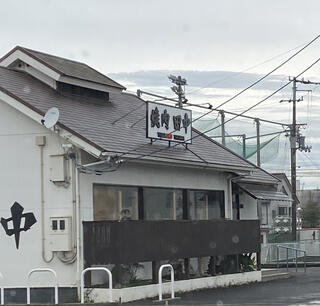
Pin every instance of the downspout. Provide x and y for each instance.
(41, 144)
(78, 224)
(229, 212)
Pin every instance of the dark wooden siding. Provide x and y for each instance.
(137, 241)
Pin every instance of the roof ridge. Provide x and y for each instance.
(28, 51)
(37, 56)
(48, 54)
(74, 61)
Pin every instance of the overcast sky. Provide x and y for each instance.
(209, 42)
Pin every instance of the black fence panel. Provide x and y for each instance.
(125, 242)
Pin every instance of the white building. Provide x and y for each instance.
(97, 166)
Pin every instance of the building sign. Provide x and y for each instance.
(18, 222)
(168, 123)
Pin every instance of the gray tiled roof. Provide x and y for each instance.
(71, 68)
(100, 125)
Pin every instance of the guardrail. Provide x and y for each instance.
(96, 269)
(56, 299)
(160, 280)
(295, 258)
(1, 291)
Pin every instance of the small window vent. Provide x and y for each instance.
(82, 92)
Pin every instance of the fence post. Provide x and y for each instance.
(95, 269)
(56, 298)
(1, 291)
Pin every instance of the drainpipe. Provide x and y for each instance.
(229, 201)
(41, 142)
(78, 224)
(73, 257)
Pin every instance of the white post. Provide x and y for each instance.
(56, 298)
(2, 290)
(96, 269)
(160, 280)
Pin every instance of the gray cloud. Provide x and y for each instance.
(206, 79)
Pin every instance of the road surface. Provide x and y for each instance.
(300, 289)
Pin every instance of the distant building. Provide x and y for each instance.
(274, 208)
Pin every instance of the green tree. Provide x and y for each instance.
(311, 215)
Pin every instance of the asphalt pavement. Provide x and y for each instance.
(300, 289)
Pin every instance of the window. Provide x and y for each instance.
(115, 202)
(206, 205)
(149, 203)
(80, 91)
(283, 211)
(162, 204)
(264, 212)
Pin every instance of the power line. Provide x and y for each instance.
(262, 78)
(127, 114)
(139, 92)
(232, 113)
(247, 88)
(245, 70)
(209, 130)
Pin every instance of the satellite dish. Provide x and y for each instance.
(51, 117)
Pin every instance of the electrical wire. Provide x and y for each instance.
(258, 81)
(312, 161)
(98, 171)
(128, 113)
(247, 88)
(264, 77)
(245, 70)
(252, 85)
(248, 109)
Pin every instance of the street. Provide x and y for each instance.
(300, 289)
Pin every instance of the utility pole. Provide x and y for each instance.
(244, 151)
(295, 138)
(177, 89)
(223, 130)
(258, 141)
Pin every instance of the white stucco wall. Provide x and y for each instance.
(20, 181)
(151, 176)
(249, 210)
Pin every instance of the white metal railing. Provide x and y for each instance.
(160, 280)
(96, 269)
(269, 250)
(56, 298)
(1, 290)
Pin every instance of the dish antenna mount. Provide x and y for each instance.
(51, 117)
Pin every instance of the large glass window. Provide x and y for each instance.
(206, 205)
(115, 202)
(162, 204)
(126, 203)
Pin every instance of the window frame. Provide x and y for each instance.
(185, 198)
